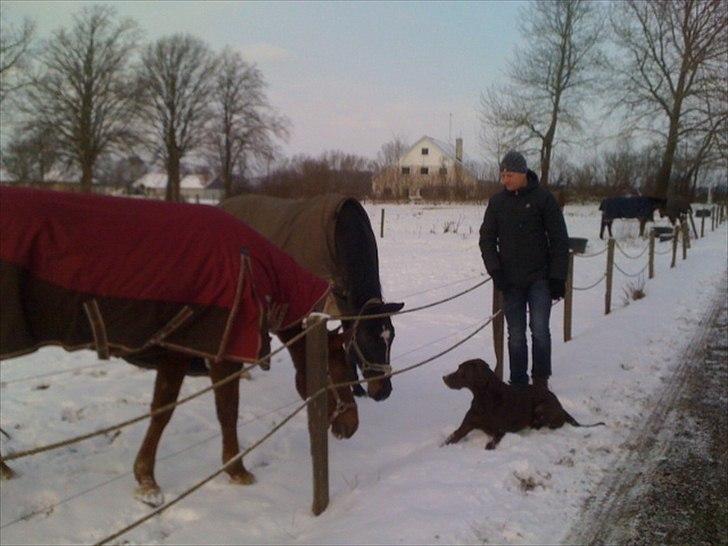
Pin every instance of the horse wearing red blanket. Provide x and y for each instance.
(158, 284)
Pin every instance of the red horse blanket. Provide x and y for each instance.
(131, 277)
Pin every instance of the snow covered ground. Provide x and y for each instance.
(392, 482)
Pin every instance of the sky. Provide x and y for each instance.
(349, 75)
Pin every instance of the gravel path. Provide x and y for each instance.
(672, 487)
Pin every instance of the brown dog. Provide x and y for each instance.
(498, 408)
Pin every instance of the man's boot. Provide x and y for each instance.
(541, 383)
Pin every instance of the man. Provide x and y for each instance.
(525, 249)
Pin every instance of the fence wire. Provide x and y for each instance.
(630, 256)
(623, 272)
(591, 285)
(602, 251)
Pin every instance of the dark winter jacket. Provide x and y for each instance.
(524, 235)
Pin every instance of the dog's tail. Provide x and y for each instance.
(574, 423)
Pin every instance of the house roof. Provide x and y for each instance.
(446, 148)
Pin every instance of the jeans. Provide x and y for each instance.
(538, 298)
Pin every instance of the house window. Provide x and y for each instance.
(425, 151)
(424, 170)
(443, 171)
(405, 170)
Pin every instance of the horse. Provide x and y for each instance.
(331, 235)
(161, 285)
(642, 208)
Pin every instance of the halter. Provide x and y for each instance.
(366, 365)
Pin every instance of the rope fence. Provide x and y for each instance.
(623, 272)
(582, 288)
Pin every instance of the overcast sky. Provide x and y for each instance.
(349, 75)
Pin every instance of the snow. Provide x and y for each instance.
(392, 483)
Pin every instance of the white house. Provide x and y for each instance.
(193, 187)
(428, 163)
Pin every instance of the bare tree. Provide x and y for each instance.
(244, 124)
(30, 157)
(15, 45)
(391, 152)
(549, 79)
(176, 75)
(85, 98)
(676, 54)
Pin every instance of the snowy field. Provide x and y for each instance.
(392, 483)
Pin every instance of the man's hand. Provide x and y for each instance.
(557, 287)
(499, 280)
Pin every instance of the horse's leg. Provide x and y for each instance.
(609, 226)
(226, 404)
(166, 390)
(643, 221)
(601, 228)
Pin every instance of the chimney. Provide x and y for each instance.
(459, 149)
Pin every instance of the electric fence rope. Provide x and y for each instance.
(629, 256)
(591, 285)
(623, 272)
(414, 309)
(270, 433)
(425, 291)
(602, 251)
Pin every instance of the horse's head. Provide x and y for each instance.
(369, 346)
(342, 411)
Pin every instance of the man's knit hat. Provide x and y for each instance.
(514, 162)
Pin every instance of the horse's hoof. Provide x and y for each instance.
(243, 479)
(151, 495)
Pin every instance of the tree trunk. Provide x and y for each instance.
(227, 169)
(173, 177)
(545, 163)
(87, 174)
(663, 176)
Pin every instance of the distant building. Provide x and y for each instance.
(193, 187)
(430, 163)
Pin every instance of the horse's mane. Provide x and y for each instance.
(356, 248)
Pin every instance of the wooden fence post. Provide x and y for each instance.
(712, 218)
(498, 332)
(317, 366)
(692, 222)
(381, 227)
(702, 226)
(610, 271)
(651, 259)
(675, 236)
(568, 298)
(685, 240)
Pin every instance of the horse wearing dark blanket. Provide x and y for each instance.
(331, 236)
(158, 284)
(642, 208)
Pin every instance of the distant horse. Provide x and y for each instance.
(642, 208)
(331, 236)
(676, 208)
(160, 285)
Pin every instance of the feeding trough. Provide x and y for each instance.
(663, 233)
(578, 244)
